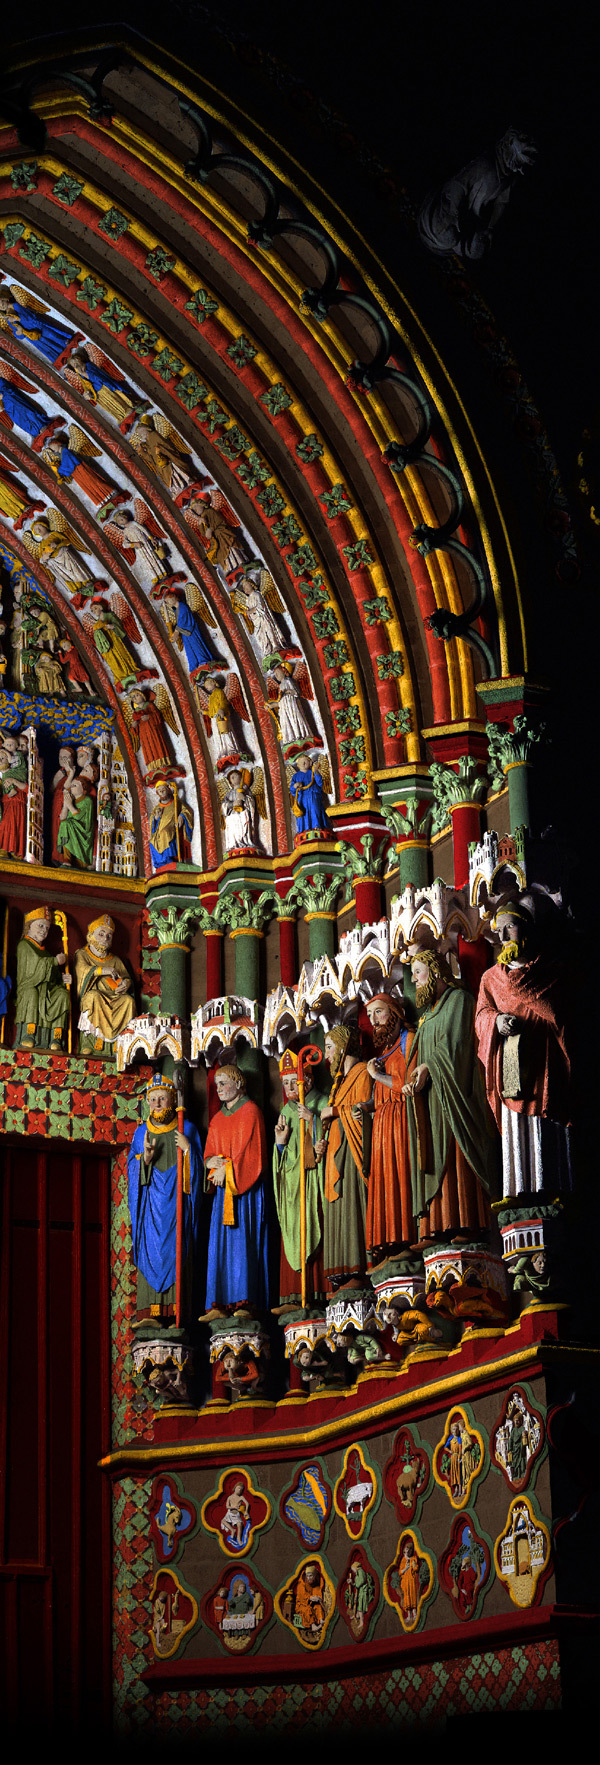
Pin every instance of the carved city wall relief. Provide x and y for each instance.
(522, 1553)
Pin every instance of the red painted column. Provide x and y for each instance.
(214, 960)
(368, 897)
(287, 952)
(466, 826)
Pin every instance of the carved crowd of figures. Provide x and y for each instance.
(382, 1148)
(125, 520)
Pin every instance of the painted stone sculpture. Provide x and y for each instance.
(152, 1180)
(104, 989)
(237, 1609)
(13, 798)
(42, 997)
(76, 832)
(308, 794)
(355, 1492)
(458, 1459)
(174, 1613)
(235, 1155)
(517, 1440)
(347, 1159)
(171, 824)
(293, 1120)
(236, 1513)
(172, 1518)
(389, 1207)
(406, 1476)
(464, 1568)
(409, 1580)
(307, 1603)
(520, 1023)
(358, 1594)
(452, 1141)
(522, 1552)
(308, 1505)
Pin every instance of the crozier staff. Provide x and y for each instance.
(152, 1179)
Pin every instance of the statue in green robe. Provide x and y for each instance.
(42, 998)
(296, 1119)
(77, 826)
(453, 1142)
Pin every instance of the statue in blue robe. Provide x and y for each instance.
(37, 328)
(20, 410)
(308, 796)
(185, 632)
(152, 1181)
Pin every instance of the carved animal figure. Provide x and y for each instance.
(462, 215)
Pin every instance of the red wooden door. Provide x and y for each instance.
(55, 1425)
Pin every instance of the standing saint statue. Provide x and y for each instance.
(104, 988)
(235, 1162)
(520, 1025)
(152, 1179)
(347, 1159)
(295, 1119)
(452, 1138)
(76, 832)
(42, 998)
(390, 1223)
(307, 791)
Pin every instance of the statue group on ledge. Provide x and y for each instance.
(379, 1154)
(44, 987)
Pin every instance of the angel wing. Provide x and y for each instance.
(323, 768)
(258, 792)
(9, 378)
(163, 704)
(33, 546)
(269, 592)
(163, 427)
(88, 625)
(233, 692)
(101, 361)
(128, 715)
(122, 609)
(222, 788)
(302, 678)
(202, 698)
(146, 519)
(117, 538)
(218, 501)
(238, 602)
(290, 768)
(80, 444)
(24, 298)
(197, 603)
(58, 524)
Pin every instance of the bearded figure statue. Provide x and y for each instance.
(104, 988)
(390, 1222)
(347, 1158)
(453, 1147)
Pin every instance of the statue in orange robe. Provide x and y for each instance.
(309, 1603)
(390, 1222)
(408, 1578)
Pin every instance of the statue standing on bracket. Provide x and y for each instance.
(235, 1161)
(292, 1121)
(104, 989)
(347, 1159)
(453, 1149)
(309, 783)
(390, 1222)
(171, 825)
(520, 1025)
(42, 998)
(152, 1178)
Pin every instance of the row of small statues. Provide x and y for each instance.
(402, 1149)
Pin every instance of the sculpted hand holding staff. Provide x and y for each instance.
(298, 1183)
(42, 998)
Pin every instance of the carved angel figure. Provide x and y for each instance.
(53, 543)
(96, 380)
(210, 517)
(146, 715)
(16, 502)
(108, 626)
(30, 322)
(163, 451)
(70, 459)
(140, 539)
(256, 599)
(288, 683)
(217, 696)
(242, 796)
(181, 613)
(310, 785)
(17, 410)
